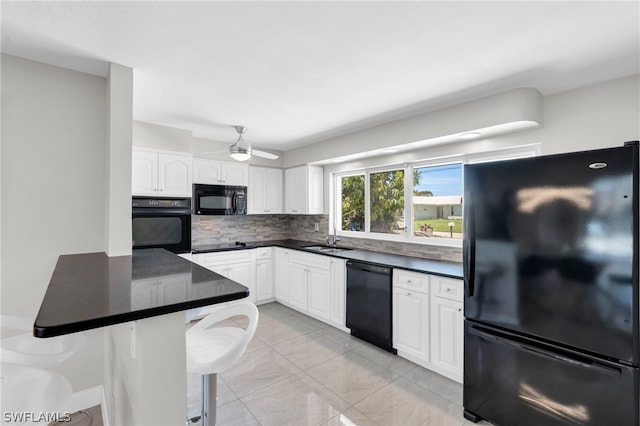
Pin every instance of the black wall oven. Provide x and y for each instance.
(161, 223)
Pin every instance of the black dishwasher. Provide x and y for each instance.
(369, 303)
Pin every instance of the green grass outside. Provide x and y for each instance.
(439, 225)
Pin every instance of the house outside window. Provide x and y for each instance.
(437, 201)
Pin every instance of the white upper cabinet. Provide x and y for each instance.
(215, 172)
(160, 173)
(304, 190)
(265, 190)
(144, 173)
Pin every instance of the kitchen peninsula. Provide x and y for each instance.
(92, 290)
(139, 300)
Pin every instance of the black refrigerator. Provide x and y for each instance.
(551, 289)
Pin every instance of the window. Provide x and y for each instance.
(418, 202)
(352, 202)
(437, 201)
(386, 198)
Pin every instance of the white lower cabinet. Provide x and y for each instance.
(298, 292)
(282, 275)
(159, 291)
(319, 287)
(310, 284)
(238, 266)
(264, 274)
(447, 332)
(428, 321)
(411, 324)
(315, 287)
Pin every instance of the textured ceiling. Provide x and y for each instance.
(299, 72)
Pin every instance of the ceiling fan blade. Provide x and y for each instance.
(264, 154)
(226, 151)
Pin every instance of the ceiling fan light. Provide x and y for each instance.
(239, 153)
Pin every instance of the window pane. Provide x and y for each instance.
(386, 199)
(437, 201)
(353, 203)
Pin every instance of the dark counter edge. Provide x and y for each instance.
(84, 325)
(299, 245)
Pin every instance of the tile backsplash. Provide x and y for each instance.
(225, 229)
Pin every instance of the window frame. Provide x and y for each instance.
(409, 167)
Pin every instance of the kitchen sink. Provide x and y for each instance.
(327, 249)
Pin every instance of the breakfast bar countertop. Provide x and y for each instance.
(92, 290)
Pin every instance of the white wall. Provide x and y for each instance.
(53, 179)
(598, 116)
(118, 161)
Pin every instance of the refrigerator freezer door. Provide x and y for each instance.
(514, 381)
(551, 249)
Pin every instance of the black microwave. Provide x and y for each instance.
(219, 199)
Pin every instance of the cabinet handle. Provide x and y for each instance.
(459, 309)
(447, 290)
(408, 281)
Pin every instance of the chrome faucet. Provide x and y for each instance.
(332, 240)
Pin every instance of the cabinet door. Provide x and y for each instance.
(338, 292)
(273, 189)
(315, 193)
(242, 273)
(295, 182)
(236, 174)
(207, 171)
(298, 275)
(447, 336)
(144, 173)
(319, 288)
(264, 279)
(282, 275)
(411, 323)
(257, 190)
(174, 175)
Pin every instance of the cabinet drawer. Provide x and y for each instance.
(316, 260)
(448, 288)
(411, 280)
(264, 253)
(207, 259)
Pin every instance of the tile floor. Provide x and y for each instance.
(300, 371)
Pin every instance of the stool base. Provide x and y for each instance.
(209, 399)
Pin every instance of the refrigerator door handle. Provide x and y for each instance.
(605, 369)
(469, 254)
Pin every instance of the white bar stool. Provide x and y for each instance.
(29, 392)
(27, 387)
(24, 349)
(213, 350)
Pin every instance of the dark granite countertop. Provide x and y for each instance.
(436, 267)
(92, 290)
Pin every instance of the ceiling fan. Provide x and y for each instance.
(241, 149)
